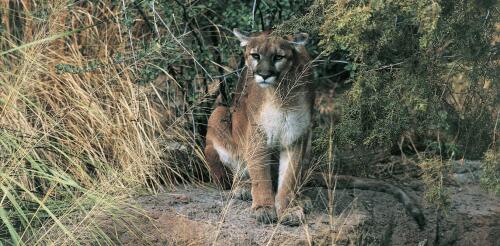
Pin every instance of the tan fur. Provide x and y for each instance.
(265, 120)
(269, 124)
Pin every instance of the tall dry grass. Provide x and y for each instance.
(75, 145)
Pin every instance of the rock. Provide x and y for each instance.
(465, 166)
(182, 198)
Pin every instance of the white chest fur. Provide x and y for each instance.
(284, 126)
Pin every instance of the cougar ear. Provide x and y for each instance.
(300, 38)
(242, 37)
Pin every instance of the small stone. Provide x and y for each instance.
(181, 198)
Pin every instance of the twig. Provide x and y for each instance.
(255, 3)
(495, 132)
(390, 66)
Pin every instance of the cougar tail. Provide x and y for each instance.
(346, 182)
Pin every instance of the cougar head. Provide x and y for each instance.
(270, 58)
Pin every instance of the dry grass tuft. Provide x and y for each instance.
(75, 145)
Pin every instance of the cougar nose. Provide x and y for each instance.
(265, 75)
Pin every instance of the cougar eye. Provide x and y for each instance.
(278, 57)
(255, 56)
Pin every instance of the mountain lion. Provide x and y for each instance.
(265, 134)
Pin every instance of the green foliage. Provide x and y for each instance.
(427, 69)
(490, 178)
(422, 67)
(197, 50)
(434, 172)
(309, 22)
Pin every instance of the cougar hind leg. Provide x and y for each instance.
(220, 174)
(240, 178)
(227, 170)
(216, 153)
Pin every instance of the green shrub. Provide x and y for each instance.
(422, 68)
(434, 172)
(490, 178)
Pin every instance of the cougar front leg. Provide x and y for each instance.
(259, 168)
(292, 160)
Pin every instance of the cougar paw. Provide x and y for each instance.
(293, 216)
(243, 193)
(266, 215)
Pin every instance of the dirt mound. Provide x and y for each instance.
(203, 215)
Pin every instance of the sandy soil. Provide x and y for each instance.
(201, 215)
